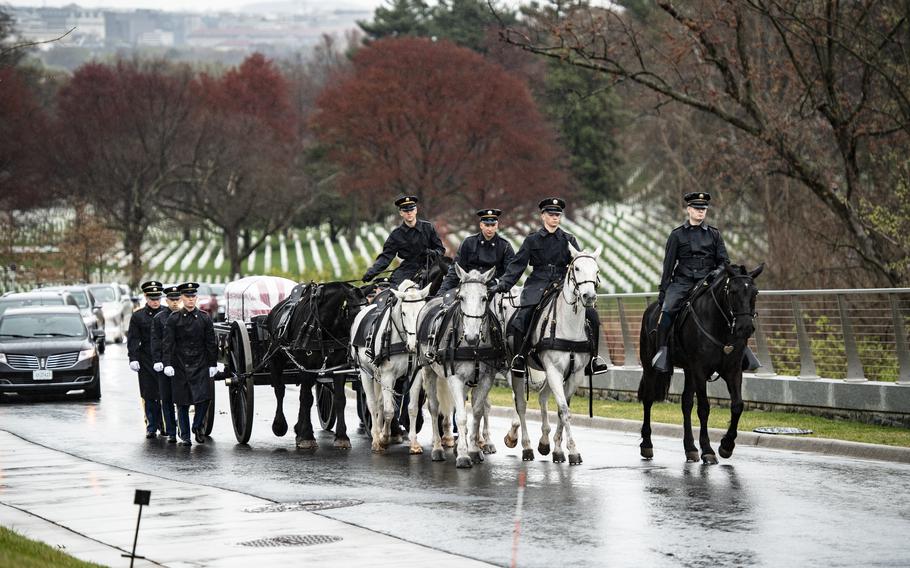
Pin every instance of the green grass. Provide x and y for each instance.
(16, 550)
(670, 413)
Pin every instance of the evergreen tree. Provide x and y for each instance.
(399, 18)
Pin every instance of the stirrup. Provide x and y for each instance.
(519, 367)
(661, 361)
(597, 366)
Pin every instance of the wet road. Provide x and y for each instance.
(762, 508)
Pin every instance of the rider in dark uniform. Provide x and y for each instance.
(694, 250)
(189, 353)
(547, 251)
(139, 348)
(164, 383)
(415, 241)
(482, 252)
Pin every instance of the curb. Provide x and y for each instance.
(824, 446)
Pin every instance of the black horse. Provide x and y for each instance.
(309, 333)
(709, 336)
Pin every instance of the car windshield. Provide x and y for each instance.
(41, 326)
(81, 298)
(8, 303)
(103, 293)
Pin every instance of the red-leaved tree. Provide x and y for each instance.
(243, 167)
(441, 122)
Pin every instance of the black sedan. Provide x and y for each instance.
(48, 350)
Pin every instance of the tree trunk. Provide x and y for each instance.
(233, 250)
(132, 242)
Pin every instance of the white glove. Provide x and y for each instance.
(212, 371)
(134, 366)
(220, 366)
(169, 371)
(158, 367)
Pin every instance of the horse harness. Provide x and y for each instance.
(729, 315)
(445, 344)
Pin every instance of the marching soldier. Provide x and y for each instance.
(172, 296)
(414, 241)
(547, 251)
(189, 353)
(139, 349)
(481, 251)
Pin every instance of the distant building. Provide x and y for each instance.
(45, 24)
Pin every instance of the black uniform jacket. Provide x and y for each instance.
(692, 252)
(549, 257)
(139, 348)
(189, 347)
(411, 245)
(158, 333)
(478, 253)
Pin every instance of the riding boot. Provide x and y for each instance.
(519, 366)
(596, 366)
(661, 360)
(750, 361)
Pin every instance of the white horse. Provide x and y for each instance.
(463, 357)
(564, 353)
(378, 379)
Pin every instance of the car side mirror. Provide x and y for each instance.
(97, 333)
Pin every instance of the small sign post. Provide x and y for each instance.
(142, 498)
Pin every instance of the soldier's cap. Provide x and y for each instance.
(406, 202)
(552, 204)
(152, 289)
(697, 199)
(188, 288)
(489, 216)
(173, 293)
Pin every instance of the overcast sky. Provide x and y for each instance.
(183, 5)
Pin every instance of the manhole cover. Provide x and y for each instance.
(292, 540)
(304, 506)
(781, 430)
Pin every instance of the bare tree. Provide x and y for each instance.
(814, 91)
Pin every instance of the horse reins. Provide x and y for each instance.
(730, 321)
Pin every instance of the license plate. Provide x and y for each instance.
(43, 375)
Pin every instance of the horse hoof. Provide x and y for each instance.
(378, 448)
(309, 445)
(438, 455)
(542, 449)
(416, 449)
(342, 444)
(527, 455)
(647, 453)
(448, 442)
(559, 457)
(692, 456)
(476, 457)
(574, 459)
(510, 442)
(463, 462)
(725, 453)
(709, 459)
(279, 426)
(488, 449)
(395, 440)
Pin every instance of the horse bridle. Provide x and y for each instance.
(481, 317)
(730, 321)
(575, 283)
(403, 331)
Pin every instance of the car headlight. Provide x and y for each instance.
(86, 354)
(3, 358)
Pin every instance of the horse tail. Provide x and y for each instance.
(653, 386)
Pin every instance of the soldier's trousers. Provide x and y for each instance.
(183, 418)
(167, 405)
(152, 415)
